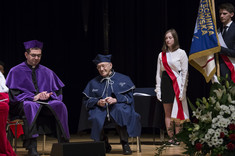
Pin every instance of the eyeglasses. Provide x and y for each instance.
(103, 66)
(36, 55)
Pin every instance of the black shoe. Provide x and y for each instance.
(108, 147)
(33, 152)
(126, 149)
(63, 140)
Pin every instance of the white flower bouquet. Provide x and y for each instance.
(212, 130)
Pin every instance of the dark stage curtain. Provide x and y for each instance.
(72, 32)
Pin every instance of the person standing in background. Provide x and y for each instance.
(171, 84)
(226, 13)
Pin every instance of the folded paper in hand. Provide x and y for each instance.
(41, 102)
(141, 94)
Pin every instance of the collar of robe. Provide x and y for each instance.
(31, 67)
(108, 77)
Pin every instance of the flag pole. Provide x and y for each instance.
(217, 65)
(216, 55)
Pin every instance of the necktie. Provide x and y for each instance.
(224, 31)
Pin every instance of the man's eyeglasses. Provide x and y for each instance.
(103, 66)
(36, 55)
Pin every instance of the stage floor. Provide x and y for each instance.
(147, 145)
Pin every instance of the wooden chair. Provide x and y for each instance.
(138, 143)
(17, 122)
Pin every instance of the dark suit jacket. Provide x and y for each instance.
(229, 40)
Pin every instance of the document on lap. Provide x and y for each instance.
(41, 102)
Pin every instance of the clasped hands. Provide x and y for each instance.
(42, 96)
(109, 100)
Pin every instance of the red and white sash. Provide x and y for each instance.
(230, 64)
(229, 61)
(180, 108)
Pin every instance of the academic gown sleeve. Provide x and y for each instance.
(158, 76)
(91, 102)
(228, 52)
(123, 88)
(126, 97)
(184, 72)
(90, 99)
(20, 96)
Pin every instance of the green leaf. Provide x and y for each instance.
(193, 108)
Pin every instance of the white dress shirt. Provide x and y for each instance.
(3, 87)
(180, 61)
(228, 25)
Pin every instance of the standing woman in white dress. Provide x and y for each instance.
(171, 84)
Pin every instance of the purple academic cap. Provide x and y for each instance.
(33, 44)
(102, 58)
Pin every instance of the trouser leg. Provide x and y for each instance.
(60, 137)
(32, 147)
(52, 126)
(30, 140)
(30, 143)
(122, 131)
(122, 134)
(104, 138)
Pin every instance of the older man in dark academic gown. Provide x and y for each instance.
(110, 98)
(36, 94)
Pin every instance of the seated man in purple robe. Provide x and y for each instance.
(109, 98)
(36, 95)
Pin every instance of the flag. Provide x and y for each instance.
(205, 42)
